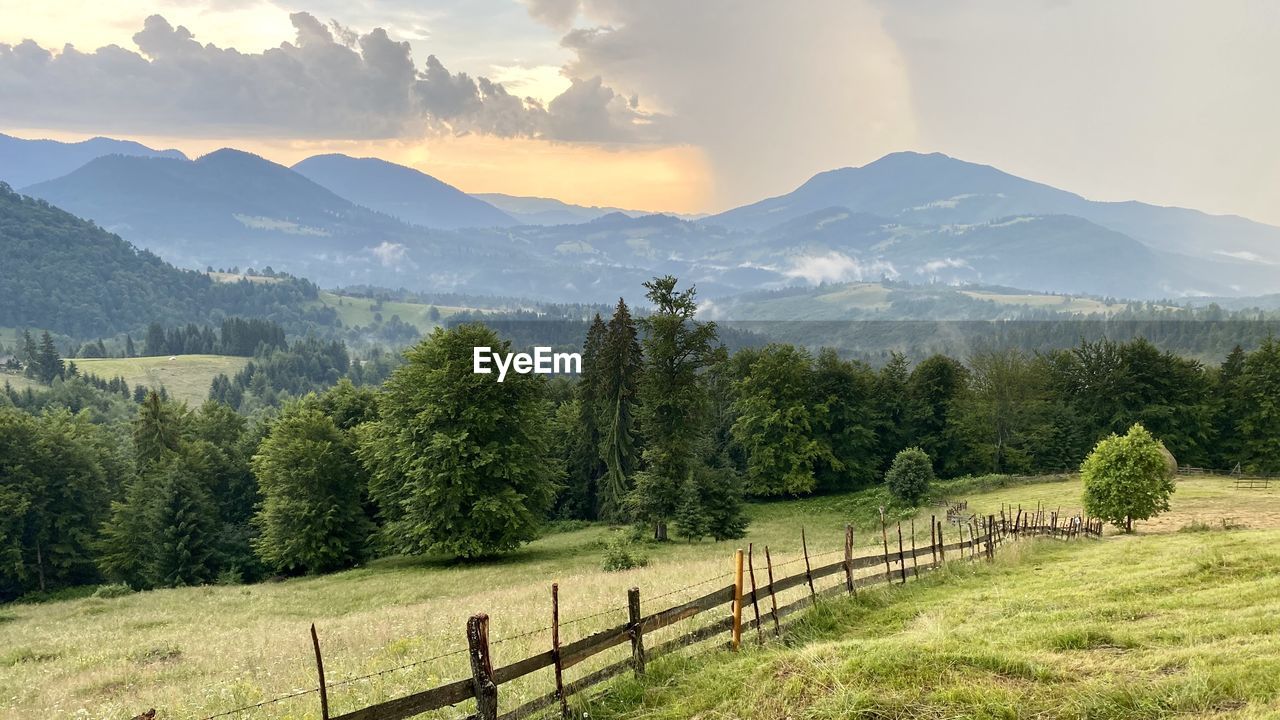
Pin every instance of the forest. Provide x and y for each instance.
(307, 462)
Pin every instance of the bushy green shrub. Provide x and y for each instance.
(910, 475)
(114, 590)
(1127, 478)
(622, 554)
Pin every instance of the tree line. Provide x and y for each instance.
(665, 429)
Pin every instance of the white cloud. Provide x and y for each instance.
(331, 82)
(835, 267)
(933, 266)
(389, 254)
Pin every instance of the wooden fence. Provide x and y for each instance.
(980, 538)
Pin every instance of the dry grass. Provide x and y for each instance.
(196, 651)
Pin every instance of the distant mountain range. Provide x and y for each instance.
(908, 216)
(27, 162)
(401, 192)
(916, 189)
(548, 211)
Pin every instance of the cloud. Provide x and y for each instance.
(557, 14)
(330, 82)
(933, 266)
(836, 267)
(772, 92)
(389, 254)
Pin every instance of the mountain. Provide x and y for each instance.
(69, 276)
(934, 189)
(226, 208)
(401, 192)
(27, 162)
(548, 211)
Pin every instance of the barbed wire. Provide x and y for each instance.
(572, 621)
(406, 666)
(262, 704)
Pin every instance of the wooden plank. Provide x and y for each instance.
(579, 650)
(520, 668)
(687, 610)
(415, 704)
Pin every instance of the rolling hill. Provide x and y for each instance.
(908, 217)
(934, 189)
(27, 162)
(67, 275)
(401, 192)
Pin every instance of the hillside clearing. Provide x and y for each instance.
(196, 651)
(185, 377)
(1146, 626)
(360, 310)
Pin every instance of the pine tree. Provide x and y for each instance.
(1260, 419)
(182, 529)
(673, 401)
(690, 517)
(580, 497)
(619, 376)
(891, 408)
(157, 431)
(48, 364)
(129, 350)
(1228, 410)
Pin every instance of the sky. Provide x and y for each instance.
(676, 105)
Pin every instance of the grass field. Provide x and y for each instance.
(186, 377)
(1059, 303)
(359, 311)
(196, 651)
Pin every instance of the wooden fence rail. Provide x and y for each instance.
(979, 538)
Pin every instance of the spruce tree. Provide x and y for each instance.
(182, 528)
(580, 497)
(1260, 419)
(129, 350)
(619, 377)
(48, 363)
(673, 401)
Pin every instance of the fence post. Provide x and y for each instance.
(773, 599)
(635, 630)
(555, 649)
(755, 601)
(902, 557)
(808, 571)
(884, 538)
(915, 562)
(848, 560)
(482, 667)
(933, 541)
(942, 546)
(324, 690)
(737, 600)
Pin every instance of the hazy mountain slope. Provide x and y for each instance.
(67, 275)
(549, 211)
(26, 162)
(935, 189)
(401, 192)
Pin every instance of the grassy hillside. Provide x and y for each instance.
(360, 310)
(186, 377)
(196, 651)
(1147, 626)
